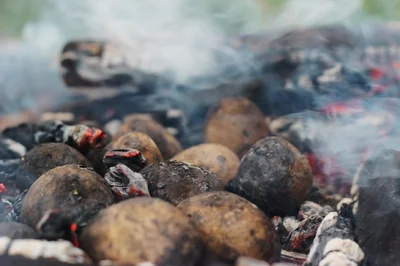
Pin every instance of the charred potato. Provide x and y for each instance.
(215, 158)
(275, 176)
(237, 124)
(175, 181)
(45, 157)
(77, 191)
(142, 230)
(141, 142)
(231, 226)
(168, 144)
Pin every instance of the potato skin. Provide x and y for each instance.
(236, 123)
(15, 230)
(78, 192)
(141, 142)
(231, 226)
(166, 142)
(142, 229)
(45, 157)
(275, 176)
(215, 158)
(175, 181)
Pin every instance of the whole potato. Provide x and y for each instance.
(167, 143)
(76, 191)
(47, 156)
(142, 230)
(275, 176)
(215, 158)
(236, 123)
(231, 226)
(175, 181)
(140, 142)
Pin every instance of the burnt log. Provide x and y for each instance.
(378, 209)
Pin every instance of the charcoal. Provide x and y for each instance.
(9, 171)
(334, 225)
(132, 158)
(54, 225)
(125, 183)
(301, 238)
(309, 208)
(280, 228)
(22, 133)
(290, 223)
(10, 149)
(290, 258)
(378, 212)
(7, 213)
(17, 202)
(40, 252)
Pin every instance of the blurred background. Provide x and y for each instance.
(33, 32)
(232, 15)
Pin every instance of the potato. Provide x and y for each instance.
(15, 230)
(215, 158)
(142, 230)
(168, 144)
(140, 142)
(231, 226)
(48, 156)
(237, 124)
(175, 181)
(275, 176)
(76, 191)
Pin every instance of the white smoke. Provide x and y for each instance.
(178, 37)
(172, 36)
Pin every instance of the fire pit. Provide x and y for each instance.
(296, 162)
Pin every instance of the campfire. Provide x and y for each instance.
(293, 158)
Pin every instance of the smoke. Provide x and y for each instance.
(345, 140)
(178, 37)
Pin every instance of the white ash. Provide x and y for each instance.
(15, 146)
(290, 223)
(172, 131)
(74, 132)
(328, 222)
(61, 250)
(113, 126)
(174, 113)
(346, 246)
(305, 81)
(331, 75)
(335, 235)
(309, 208)
(336, 259)
(121, 180)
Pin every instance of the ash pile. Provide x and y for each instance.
(294, 161)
